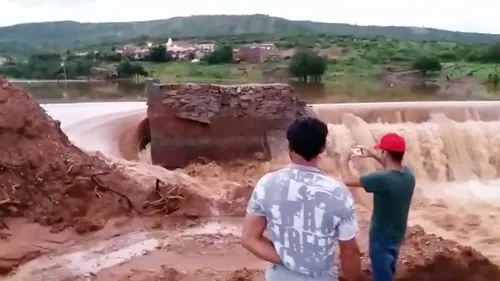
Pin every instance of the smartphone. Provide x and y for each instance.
(357, 151)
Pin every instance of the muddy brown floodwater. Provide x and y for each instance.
(311, 93)
(73, 215)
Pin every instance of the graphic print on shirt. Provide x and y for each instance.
(307, 212)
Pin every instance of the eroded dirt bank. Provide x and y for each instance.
(197, 257)
(53, 195)
(46, 179)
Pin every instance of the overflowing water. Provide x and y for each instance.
(438, 150)
(457, 165)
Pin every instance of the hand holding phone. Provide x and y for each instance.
(357, 151)
(360, 152)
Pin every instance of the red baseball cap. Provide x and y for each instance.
(392, 142)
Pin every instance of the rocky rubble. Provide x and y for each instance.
(202, 102)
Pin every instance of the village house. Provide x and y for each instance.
(264, 46)
(134, 52)
(250, 55)
(256, 52)
(188, 50)
(206, 47)
(180, 49)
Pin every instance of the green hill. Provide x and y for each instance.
(71, 34)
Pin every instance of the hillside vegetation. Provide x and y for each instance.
(63, 35)
(344, 59)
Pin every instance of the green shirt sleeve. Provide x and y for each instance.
(374, 182)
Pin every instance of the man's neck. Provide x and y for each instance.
(313, 163)
(394, 166)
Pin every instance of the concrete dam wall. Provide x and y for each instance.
(189, 122)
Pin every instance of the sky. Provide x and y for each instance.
(461, 15)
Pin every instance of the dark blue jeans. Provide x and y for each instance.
(384, 257)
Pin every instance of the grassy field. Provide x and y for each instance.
(186, 71)
(461, 69)
(338, 72)
(341, 72)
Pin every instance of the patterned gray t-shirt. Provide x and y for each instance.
(307, 212)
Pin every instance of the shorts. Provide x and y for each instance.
(384, 258)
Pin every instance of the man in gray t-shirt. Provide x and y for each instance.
(305, 214)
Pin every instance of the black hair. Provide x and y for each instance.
(307, 137)
(396, 156)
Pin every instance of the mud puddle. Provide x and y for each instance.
(89, 261)
(120, 250)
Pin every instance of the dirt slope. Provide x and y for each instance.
(45, 178)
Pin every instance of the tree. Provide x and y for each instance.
(159, 54)
(426, 64)
(485, 54)
(111, 57)
(48, 66)
(222, 54)
(127, 70)
(91, 55)
(493, 53)
(307, 66)
(83, 67)
(42, 66)
(78, 66)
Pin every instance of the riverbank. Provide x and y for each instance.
(85, 91)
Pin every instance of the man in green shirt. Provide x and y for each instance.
(392, 190)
